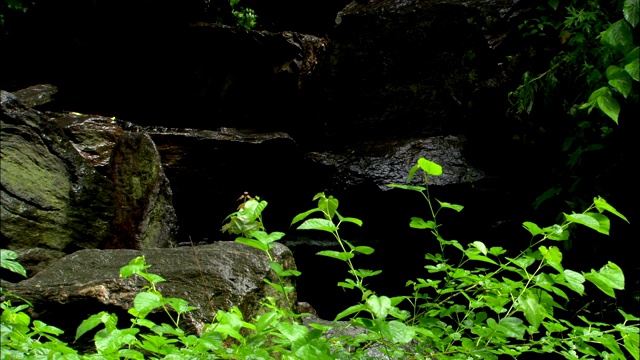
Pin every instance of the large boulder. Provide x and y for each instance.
(211, 277)
(51, 197)
(72, 181)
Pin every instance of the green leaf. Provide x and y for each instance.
(349, 219)
(412, 172)
(303, 215)
(556, 232)
(253, 209)
(554, 4)
(631, 341)
(631, 13)
(7, 258)
(363, 273)
(419, 223)
(430, 167)
(364, 250)
(407, 187)
(609, 106)
(602, 205)
(180, 305)
(619, 36)
(532, 228)
(265, 238)
(379, 306)
(137, 265)
(574, 281)
(609, 277)
(480, 246)
(145, 302)
(633, 64)
(548, 194)
(89, 323)
(350, 310)
(619, 79)
(553, 257)
(344, 256)
(533, 311)
(318, 224)
(328, 205)
(509, 326)
(628, 317)
(447, 205)
(253, 243)
(595, 221)
(292, 331)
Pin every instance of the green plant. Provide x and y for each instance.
(245, 17)
(478, 302)
(481, 303)
(594, 64)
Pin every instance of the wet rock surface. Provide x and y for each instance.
(51, 197)
(211, 277)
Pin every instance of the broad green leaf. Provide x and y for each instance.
(609, 106)
(631, 341)
(265, 238)
(556, 232)
(628, 317)
(477, 257)
(595, 221)
(145, 302)
(532, 228)
(303, 215)
(619, 79)
(292, 331)
(400, 333)
(367, 250)
(631, 13)
(412, 172)
(349, 219)
(548, 194)
(344, 256)
(407, 187)
(328, 205)
(137, 265)
(7, 258)
(253, 209)
(609, 341)
(509, 326)
(318, 224)
(633, 66)
(419, 223)
(179, 305)
(553, 256)
(574, 281)
(253, 243)
(523, 261)
(379, 306)
(554, 326)
(609, 277)
(480, 246)
(497, 251)
(363, 273)
(619, 36)
(350, 310)
(430, 167)
(533, 311)
(447, 205)
(602, 205)
(89, 323)
(152, 278)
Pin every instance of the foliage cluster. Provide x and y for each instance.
(478, 302)
(594, 64)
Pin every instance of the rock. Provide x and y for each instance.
(211, 277)
(51, 198)
(144, 216)
(387, 162)
(36, 95)
(93, 136)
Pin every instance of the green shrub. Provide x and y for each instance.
(479, 303)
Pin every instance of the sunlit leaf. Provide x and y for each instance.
(379, 306)
(430, 167)
(336, 255)
(419, 223)
(318, 224)
(631, 12)
(602, 205)
(447, 205)
(553, 256)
